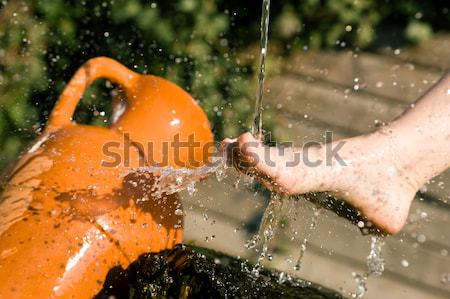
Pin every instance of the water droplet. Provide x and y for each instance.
(405, 263)
(191, 189)
(252, 242)
(361, 288)
(178, 212)
(205, 217)
(221, 171)
(174, 122)
(238, 180)
(421, 238)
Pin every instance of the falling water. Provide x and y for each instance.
(375, 266)
(271, 215)
(312, 227)
(267, 228)
(257, 129)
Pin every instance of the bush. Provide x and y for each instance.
(201, 45)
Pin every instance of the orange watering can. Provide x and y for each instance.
(162, 120)
(69, 213)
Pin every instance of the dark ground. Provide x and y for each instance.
(193, 272)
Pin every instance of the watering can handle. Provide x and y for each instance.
(99, 67)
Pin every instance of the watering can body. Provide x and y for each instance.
(68, 213)
(173, 130)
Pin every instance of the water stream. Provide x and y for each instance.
(375, 266)
(272, 213)
(267, 229)
(257, 127)
(312, 227)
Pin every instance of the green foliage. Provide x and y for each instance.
(204, 46)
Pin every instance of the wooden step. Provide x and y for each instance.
(374, 74)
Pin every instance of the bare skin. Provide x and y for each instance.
(381, 171)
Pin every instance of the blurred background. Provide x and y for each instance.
(347, 66)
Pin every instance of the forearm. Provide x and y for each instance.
(420, 139)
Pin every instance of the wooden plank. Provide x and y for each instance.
(299, 132)
(432, 53)
(345, 254)
(336, 273)
(341, 108)
(222, 198)
(379, 75)
(216, 233)
(423, 254)
(228, 214)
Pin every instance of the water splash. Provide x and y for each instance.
(257, 127)
(375, 260)
(312, 227)
(267, 229)
(168, 180)
(375, 266)
(237, 181)
(221, 170)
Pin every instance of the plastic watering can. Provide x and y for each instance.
(66, 219)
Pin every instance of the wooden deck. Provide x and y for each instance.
(349, 94)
